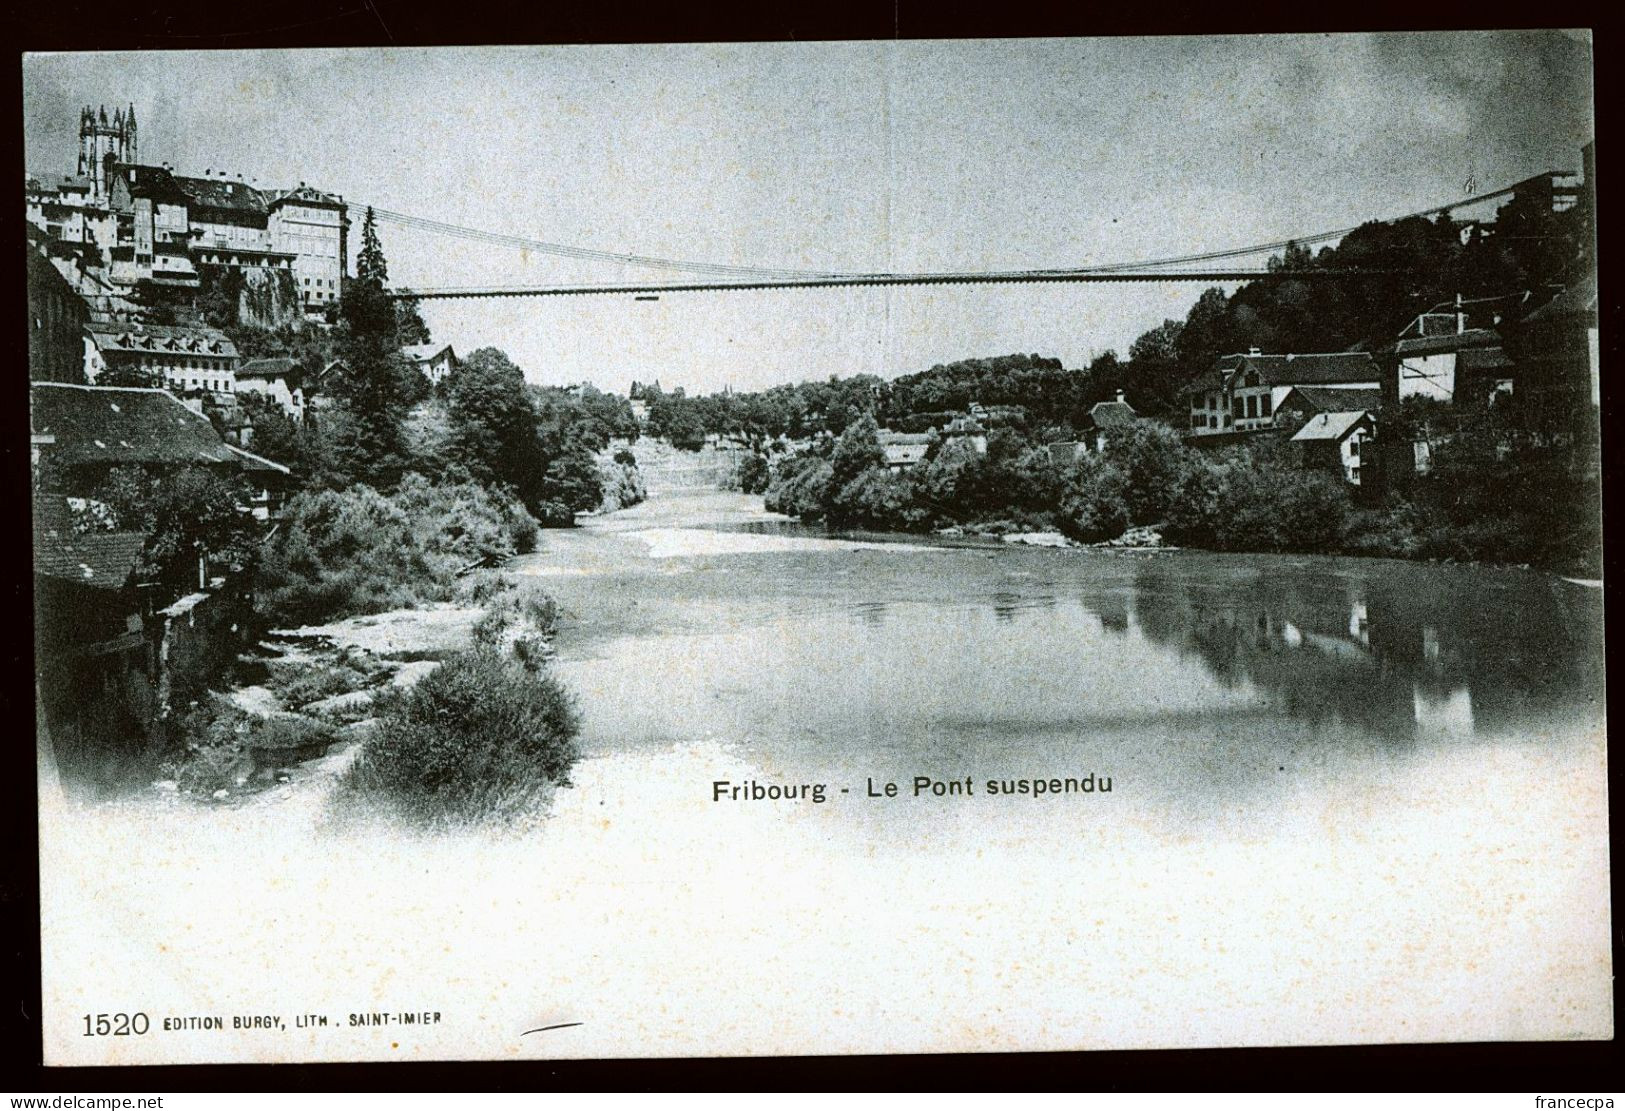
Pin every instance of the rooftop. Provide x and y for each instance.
(112, 335)
(1326, 368)
(224, 195)
(62, 550)
(1325, 400)
(1112, 414)
(423, 352)
(1330, 426)
(280, 367)
(119, 425)
(1579, 299)
(154, 182)
(302, 194)
(1455, 341)
(252, 462)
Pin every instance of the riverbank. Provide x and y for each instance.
(1406, 763)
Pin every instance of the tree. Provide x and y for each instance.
(493, 426)
(1204, 337)
(192, 513)
(370, 264)
(1155, 370)
(372, 445)
(409, 326)
(129, 374)
(857, 450)
(275, 434)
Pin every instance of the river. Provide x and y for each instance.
(1349, 801)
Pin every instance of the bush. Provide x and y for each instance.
(1095, 506)
(357, 551)
(621, 481)
(480, 738)
(1154, 462)
(298, 684)
(800, 487)
(754, 474)
(877, 499)
(219, 742)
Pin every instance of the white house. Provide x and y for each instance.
(1242, 392)
(1336, 441)
(278, 379)
(904, 449)
(436, 361)
(1432, 365)
(181, 358)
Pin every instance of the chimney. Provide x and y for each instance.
(1254, 351)
(1120, 397)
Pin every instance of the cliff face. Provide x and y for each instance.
(268, 299)
(255, 295)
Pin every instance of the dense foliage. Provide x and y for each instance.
(481, 737)
(361, 551)
(188, 514)
(1493, 494)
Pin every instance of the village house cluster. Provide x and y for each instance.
(129, 376)
(1532, 350)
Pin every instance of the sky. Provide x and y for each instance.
(860, 156)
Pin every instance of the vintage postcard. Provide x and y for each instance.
(817, 548)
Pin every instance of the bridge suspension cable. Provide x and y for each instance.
(1014, 277)
(759, 277)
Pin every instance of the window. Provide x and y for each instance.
(1354, 448)
(1264, 406)
(1212, 421)
(1235, 408)
(1252, 407)
(1198, 420)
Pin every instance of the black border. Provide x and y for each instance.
(36, 25)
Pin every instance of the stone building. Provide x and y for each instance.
(57, 316)
(184, 359)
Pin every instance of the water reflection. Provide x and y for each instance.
(1403, 651)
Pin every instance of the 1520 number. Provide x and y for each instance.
(118, 1026)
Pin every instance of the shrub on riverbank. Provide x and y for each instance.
(621, 480)
(1095, 507)
(224, 748)
(358, 551)
(1496, 494)
(480, 738)
(298, 683)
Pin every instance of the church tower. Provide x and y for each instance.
(100, 138)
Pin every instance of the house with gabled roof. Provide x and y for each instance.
(1303, 403)
(904, 449)
(88, 430)
(435, 360)
(281, 379)
(1242, 392)
(184, 358)
(1336, 442)
(1105, 418)
(1558, 355)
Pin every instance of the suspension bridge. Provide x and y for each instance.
(713, 277)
